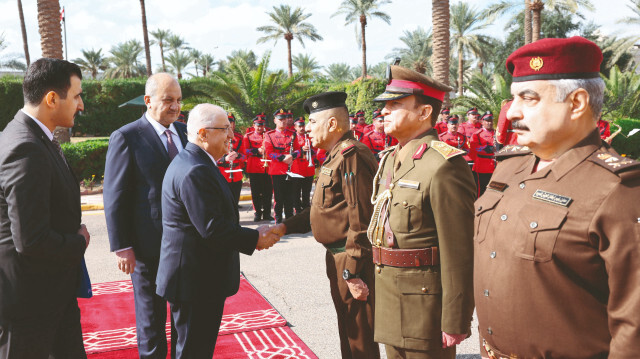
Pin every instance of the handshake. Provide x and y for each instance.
(269, 235)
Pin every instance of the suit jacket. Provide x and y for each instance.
(134, 169)
(201, 234)
(40, 250)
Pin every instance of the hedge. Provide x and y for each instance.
(629, 146)
(86, 158)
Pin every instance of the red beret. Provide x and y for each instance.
(552, 59)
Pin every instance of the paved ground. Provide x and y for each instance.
(290, 275)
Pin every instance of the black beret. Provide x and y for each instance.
(325, 101)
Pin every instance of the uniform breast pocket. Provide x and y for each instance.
(325, 184)
(540, 225)
(406, 210)
(421, 305)
(485, 207)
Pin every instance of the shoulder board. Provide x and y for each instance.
(445, 150)
(613, 162)
(512, 150)
(347, 149)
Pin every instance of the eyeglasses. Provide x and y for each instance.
(226, 128)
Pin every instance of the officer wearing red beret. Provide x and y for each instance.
(257, 170)
(483, 149)
(557, 237)
(232, 164)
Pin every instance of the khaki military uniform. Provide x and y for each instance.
(339, 214)
(557, 255)
(428, 203)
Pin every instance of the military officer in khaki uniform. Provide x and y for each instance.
(557, 243)
(422, 227)
(339, 214)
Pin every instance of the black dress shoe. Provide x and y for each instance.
(267, 217)
(256, 217)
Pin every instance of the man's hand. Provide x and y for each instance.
(231, 156)
(85, 233)
(358, 289)
(305, 148)
(261, 150)
(267, 238)
(288, 159)
(126, 260)
(449, 340)
(279, 229)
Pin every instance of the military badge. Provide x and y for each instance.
(536, 63)
(552, 198)
(314, 104)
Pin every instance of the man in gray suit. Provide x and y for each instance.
(42, 241)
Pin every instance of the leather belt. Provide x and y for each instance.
(486, 156)
(405, 257)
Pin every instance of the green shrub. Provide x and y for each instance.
(629, 146)
(11, 99)
(86, 158)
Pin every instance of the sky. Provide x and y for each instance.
(219, 27)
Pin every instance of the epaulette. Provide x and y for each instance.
(512, 150)
(445, 150)
(347, 149)
(613, 162)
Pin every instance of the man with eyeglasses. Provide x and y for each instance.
(138, 156)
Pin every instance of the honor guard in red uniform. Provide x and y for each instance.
(454, 138)
(443, 124)
(504, 131)
(473, 123)
(353, 122)
(264, 119)
(279, 146)
(257, 170)
(289, 125)
(232, 164)
(605, 129)
(362, 123)
(376, 140)
(483, 150)
(304, 164)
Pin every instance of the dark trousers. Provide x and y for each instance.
(56, 336)
(197, 325)
(235, 188)
(283, 196)
(401, 353)
(261, 192)
(355, 317)
(302, 193)
(151, 312)
(483, 182)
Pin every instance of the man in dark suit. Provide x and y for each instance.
(137, 159)
(199, 263)
(42, 242)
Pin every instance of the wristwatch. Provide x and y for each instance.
(346, 275)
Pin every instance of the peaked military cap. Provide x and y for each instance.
(453, 119)
(231, 117)
(445, 111)
(487, 116)
(353, 119)
(325, 101)
(299, 120)
(281, 113)
(473, 111)
(403, 82)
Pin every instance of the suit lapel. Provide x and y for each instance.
(150, 136)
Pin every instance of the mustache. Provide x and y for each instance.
(518, 125)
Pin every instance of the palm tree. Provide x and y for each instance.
(10, 62)
(125, 60)
(440, 59)
(24, 34)
(289, 24)
(465, 21)
(488, 93)
(195, 57)
(92, 62)
(161, 36)
(379, 70)
(206, 61)
(417, 52)
(306, 65)
(361, 10)
(338, 72)
(621, 94)
(145, 35)
(175, 43)
(532, 12)
(179, 60)
(49, 28)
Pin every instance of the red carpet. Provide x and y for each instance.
(251, 327)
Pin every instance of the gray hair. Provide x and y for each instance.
(594, 87)
(203, 115)
(151, 86)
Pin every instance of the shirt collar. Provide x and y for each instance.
(160, 129)
(42, 126)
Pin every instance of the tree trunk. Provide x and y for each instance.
(145, 34)
(164, 68)
(440, 57)
(50, 29)
(527, 22)
(460, 70)
(24, 34)
(536, 10)
(363, 25)
(289, 36)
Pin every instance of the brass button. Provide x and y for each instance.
(522, 186)
(391, 186)
(404, 203)
(378, 269)
(493, 254)
(503, 217)
(424, 290)
(533, 225)
(486, 292)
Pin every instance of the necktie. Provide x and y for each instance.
(56, 144)
(171, 147)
